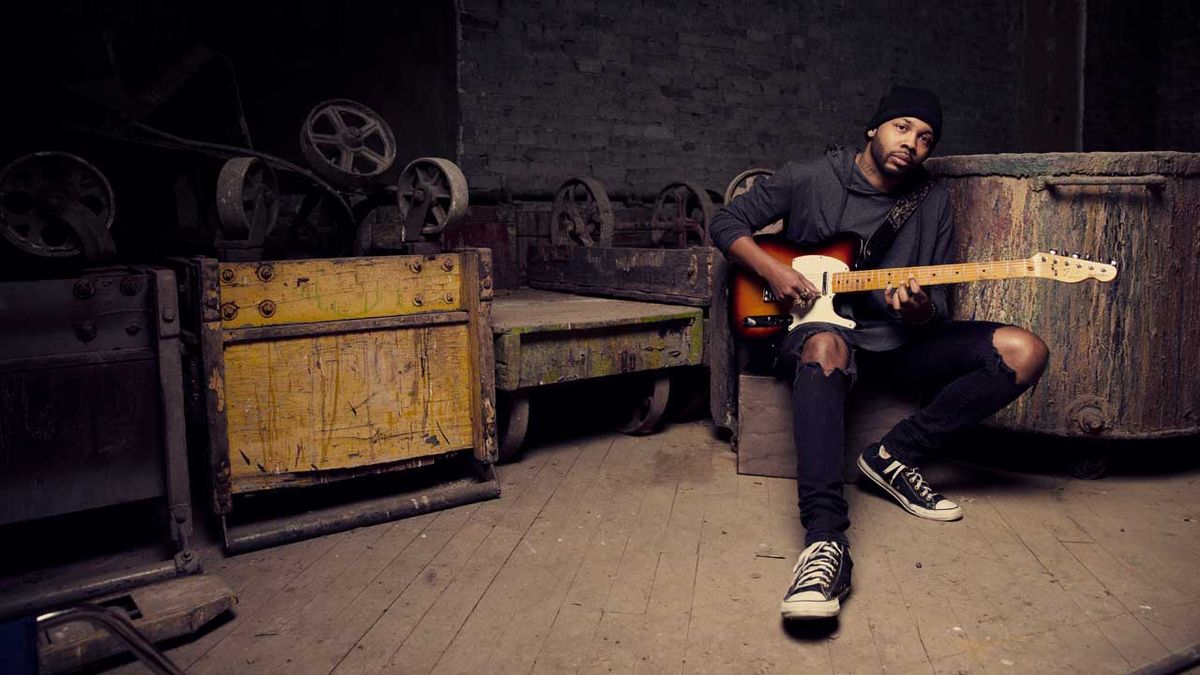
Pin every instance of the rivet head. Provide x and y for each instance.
(265, 272)
(448, 264)
(227, 275)
(131, 285)
(415, 266)
(229, 311)
(418, 300)
(266, 308)
(449, 298)
(84, 289)
(85, 331)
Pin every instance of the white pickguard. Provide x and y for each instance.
(819, 269)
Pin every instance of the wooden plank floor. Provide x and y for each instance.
(620, 554)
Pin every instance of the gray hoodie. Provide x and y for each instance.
(827, 196)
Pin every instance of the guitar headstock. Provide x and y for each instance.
(1071, 268)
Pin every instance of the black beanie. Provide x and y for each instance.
(910, 102)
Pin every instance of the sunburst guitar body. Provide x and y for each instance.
(756, 314)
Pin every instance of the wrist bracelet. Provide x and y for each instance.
(932, 313)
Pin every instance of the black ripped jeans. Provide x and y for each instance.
(956, 358)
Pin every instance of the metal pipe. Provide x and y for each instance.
(40, 599)
(276, 531)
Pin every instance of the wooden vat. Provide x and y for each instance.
(1124, 354)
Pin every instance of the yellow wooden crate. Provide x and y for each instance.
(318, 370)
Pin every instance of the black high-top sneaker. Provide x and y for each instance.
(906, 485)
(820, 579)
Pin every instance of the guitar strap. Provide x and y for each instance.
(879, 242)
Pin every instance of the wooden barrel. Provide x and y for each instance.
(1125, 356)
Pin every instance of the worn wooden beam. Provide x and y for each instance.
(677, 276)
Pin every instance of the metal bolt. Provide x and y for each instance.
(132, 329)
(415, 266)
(449, 298)
(131, 285)
(418, 300)
(227, 275)
(84, 289)
(266, 308)
(85, 331)
(265, 273)
(448, 264)
(229, 311)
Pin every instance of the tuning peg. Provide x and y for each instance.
(1053, 251)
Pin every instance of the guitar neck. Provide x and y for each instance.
(870, 280)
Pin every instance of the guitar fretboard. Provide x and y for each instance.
(870, 280)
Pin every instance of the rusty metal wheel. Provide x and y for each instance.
(681, 216)
(582, 214)
(514, 423)
(742, 182)
(347, 142)
(247, 200)
(56, 205)
(375, 216)
(648, 412)
(431, 194)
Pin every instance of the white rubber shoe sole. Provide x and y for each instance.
(944, 515)
(808, 609)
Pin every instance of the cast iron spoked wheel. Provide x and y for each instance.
(347, 142)
(651, 404)
(513, 419)
(431, 194)
(377, 213)
(682, 213)
(582, 214)
(56, 205)
(247, 200)
(742, 182)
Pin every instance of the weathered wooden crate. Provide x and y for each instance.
(91, 416)
(322, 370)
(692, 277)
(765, 439)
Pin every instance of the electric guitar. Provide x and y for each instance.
(757, 314)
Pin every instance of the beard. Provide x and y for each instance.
(880, 157)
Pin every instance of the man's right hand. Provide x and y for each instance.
(784, 281)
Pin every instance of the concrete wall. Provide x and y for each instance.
(642, 93)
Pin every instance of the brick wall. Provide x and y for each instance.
(643, 93)
(1179, 81)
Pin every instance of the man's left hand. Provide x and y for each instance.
(912, 303)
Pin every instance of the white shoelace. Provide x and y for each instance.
(819, 567)
(913, 477)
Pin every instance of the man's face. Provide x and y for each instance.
(900, 145)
